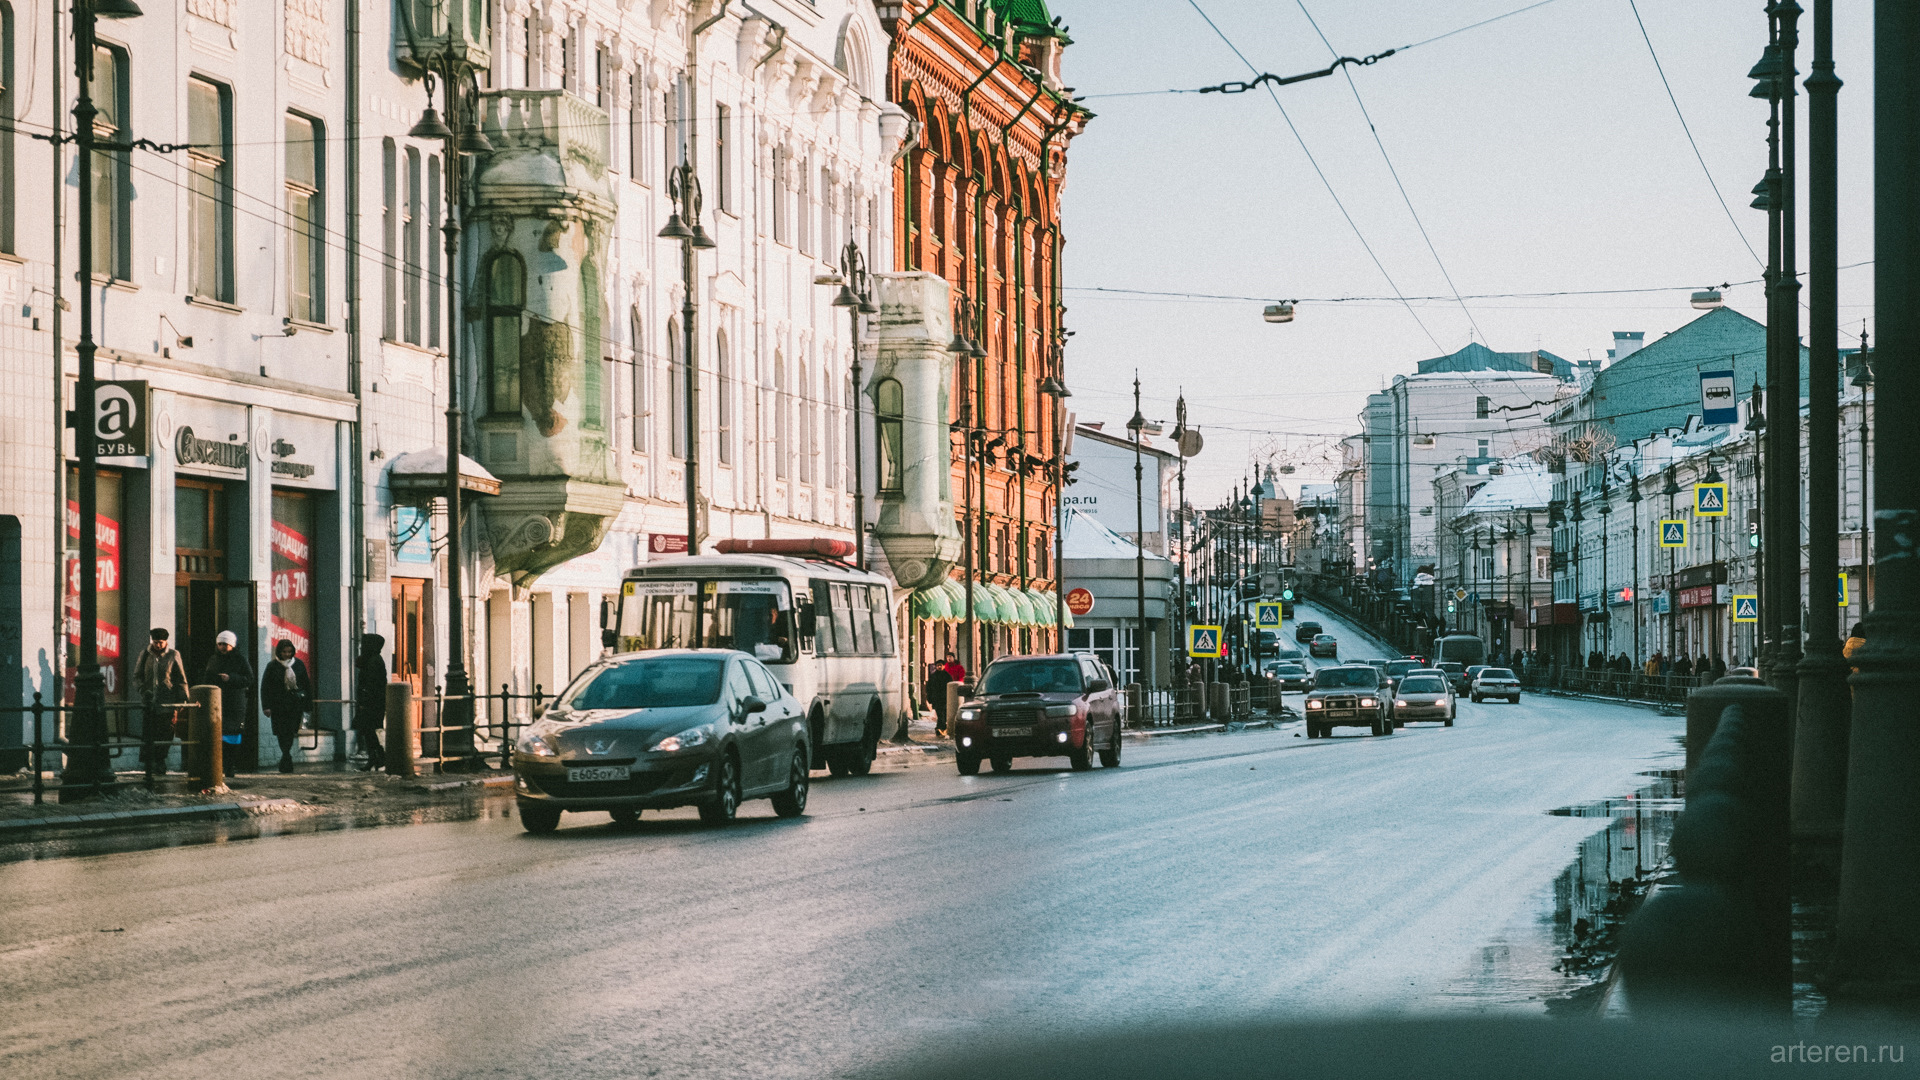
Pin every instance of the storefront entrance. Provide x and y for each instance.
(205, 602)
(412, 629)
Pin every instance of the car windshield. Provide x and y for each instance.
(1339, 677)
(1286, 669)
(1423, 684)
(658, 682)
(1401, 667)
(1496, 673)
(1451, 667)
(755, 617)
(1032, 676)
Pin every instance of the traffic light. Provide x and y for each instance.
(1286, 594)
(1753, 528)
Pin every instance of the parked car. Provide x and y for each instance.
(1456, 674)
(1303, 632)
(1346, 695)
(1496, 682)
(1423, 696)
(1324, 645)
(1290, 674)
(677, 727)
(1060, 705)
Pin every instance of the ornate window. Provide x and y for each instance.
(889, 420)
(593, 365)
(506, 297)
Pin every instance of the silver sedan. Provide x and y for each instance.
(1423, 697)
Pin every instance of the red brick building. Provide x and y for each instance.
(977, 201)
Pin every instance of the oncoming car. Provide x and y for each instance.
(1346, 696)
(1324, 645)
(1040, 706)
(681, 727)
(1290, 674)
(1423, 697)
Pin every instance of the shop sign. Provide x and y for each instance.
(1705, 574)
(1698, 596)
(667, 543)
(119, 419)
(190, 449)
(302, 451)
(412, 541)
(1079, 601)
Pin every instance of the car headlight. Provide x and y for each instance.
(1367, 703)
(1316, 704)
(537, 744)
(1059, 712)
(692, 737)
(1399, 704)
(969, 714)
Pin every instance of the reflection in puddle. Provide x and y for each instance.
(476, 807)
(1551, 961)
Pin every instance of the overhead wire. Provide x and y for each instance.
(1275, 96)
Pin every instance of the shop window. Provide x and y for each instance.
(676, 394)
(410, 222)
(389, 240)
(209, 189)
(109, 628)
(723, 159)
(889, 404)
(637, 129)
(642, 385)
(431, 279)
(291, 616)
(722, 399)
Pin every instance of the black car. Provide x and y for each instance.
(1265, 642)
(648, 731)
(1350, 695)
(1303, 632)
(1039, 706)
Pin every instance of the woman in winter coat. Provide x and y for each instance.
(370, 698)
(286, 692)
(228, 669)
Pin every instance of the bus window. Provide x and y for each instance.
(844, 643)
(755, 617)
(862, 614)
(882, 620)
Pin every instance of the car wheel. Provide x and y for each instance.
(626, 819)
(1515, 699)
(1381, 726)
(1476, 699)
(726, 796)
(1081, 759)
(837, 761)
(539, 819)
(1110, 757)
(1449, 720)
(860, 757)
(969, 766)
(792, 802)
(1002, 764)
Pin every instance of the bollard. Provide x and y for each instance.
(1721, 935)
(1219, 706)
(402, 720)
(953, 705)
(1136, 705)
(204, 759)
(1705, 704)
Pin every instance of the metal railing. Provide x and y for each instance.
(491, 727)
(1171, 706)
(50, 735)
(1625, 685)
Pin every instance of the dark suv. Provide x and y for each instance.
(1303, 632)
(1350, 695)
(1039, 706)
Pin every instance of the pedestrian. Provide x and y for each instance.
(160, 677)
(935, 690)
(1683, 667)
(286, 693)
(1719, 667)
(229, 671)
(370, 699)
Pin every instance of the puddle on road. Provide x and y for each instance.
(1552, 959)
(476, 807)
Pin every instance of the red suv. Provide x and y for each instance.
(1039, 706)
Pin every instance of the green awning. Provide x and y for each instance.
(1023, 607)
(986, 607)
(956, 600)
(931, 604)
(1043, 606)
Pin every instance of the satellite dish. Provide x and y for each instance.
(1191, 443)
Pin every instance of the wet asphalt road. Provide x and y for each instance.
(1210, 878)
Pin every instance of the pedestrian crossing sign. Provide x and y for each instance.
(1266, 615)
(1207, 641)
(1746, 609)
(1843, 590)
(1673, 532)
(1710, 500)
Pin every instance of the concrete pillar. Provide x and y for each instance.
(551, 630)
(258, 563)
(583, 624)
(203, 746)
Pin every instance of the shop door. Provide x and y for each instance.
(202, 609)
(412, 630)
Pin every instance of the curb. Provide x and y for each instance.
(454, 785)
(157, 816)
(911, 748)
(1207, 729)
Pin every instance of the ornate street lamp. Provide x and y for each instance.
(1135, 426)
(856, 295)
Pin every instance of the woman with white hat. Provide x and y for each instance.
(229, 670)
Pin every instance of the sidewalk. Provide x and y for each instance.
(313, 789)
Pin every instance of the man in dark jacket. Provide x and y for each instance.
(286, 692)
(935, 691)
(161, 678)
(370, 699)
(229, 670)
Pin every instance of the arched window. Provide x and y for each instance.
(676, 394)
(642, 384)
(506, 296)
(889, 405)
(722, 398)
(593, 382)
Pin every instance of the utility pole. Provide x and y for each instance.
(1782, 529)
(1877, 942)
(1633, 496)
(1820, 735)
(1136, 425)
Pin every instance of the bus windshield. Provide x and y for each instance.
(755, 617)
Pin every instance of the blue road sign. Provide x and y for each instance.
(1266, 615)
(1673, 532)
(1719, 402)
(1710, 500)
(1206, 641)
(1746, 609)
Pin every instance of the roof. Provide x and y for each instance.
(426, 469)
(1657, 386)
(1031, 12)
(1086, 538)
(1477, 357)
(1523, 484)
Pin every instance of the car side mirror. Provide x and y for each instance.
(1096, 686)
(752, 704)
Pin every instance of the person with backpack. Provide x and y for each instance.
(160, 678)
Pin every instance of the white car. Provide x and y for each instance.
(1496, 682)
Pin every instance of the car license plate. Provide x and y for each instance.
(1012, 732)
(592, 773)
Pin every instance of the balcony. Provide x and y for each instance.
(548, 146)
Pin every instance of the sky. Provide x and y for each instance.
(1541, 153)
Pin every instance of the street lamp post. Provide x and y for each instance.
(1633, 497)
(1575, 518)
(1671, 489)
(1135, 426)
(856, 295)
(966, 349)
(1054, 388)
(88, 768)
(1606, 580)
